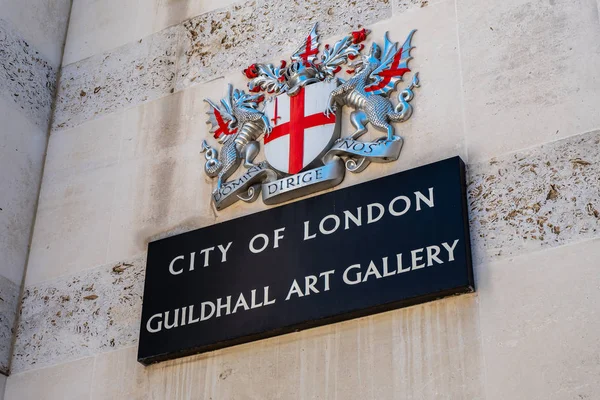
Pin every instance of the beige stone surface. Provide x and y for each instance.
(42, 24)
(72, 224)
(94, 145)
(27, 79)
(76, 200)
(80, 315)
(70, 381)
(400, 6)
(22, 145)
(128, 378)
(2, 385)
(529, 72)
(9, 298)
(161, 203)
(100, 26)
(110, 82)
(539, 324)
(538, 198)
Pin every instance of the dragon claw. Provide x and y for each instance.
(329, 111)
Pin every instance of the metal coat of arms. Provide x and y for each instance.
(300, 121)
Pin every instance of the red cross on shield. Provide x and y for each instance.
(301, 131)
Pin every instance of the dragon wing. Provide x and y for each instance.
(219, 119)
(338, 54)
(307, 52)
(268, 78)
(247, 102)
(394, 64)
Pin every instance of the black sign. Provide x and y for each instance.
(388, 243)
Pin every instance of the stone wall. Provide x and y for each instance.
(511, 86)
(32, 35)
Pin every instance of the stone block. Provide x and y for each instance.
(3, 379)
(9, 299)
(161, 199)
(529, 72)
(72, 224)
(176, 11)
(26, 78)
(174, 121)
(125, 77)
(543, 197)
(80, 315)
(98, 27)
(539, 324)
(42, 24)
(22, 147)
(132, 382)
(70, 381)
(87, 147)
(400, 6)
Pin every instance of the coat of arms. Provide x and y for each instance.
(295, 108)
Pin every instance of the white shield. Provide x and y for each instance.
(301, 131)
